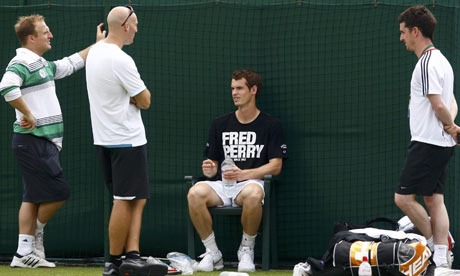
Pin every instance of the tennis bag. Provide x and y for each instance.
(389, 252)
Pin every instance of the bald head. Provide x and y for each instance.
(116, 17)
(118, 34)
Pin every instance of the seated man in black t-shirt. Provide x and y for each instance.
(254, 141)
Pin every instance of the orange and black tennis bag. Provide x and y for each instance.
(390, 253)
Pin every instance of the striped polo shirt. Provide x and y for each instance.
(32, 77)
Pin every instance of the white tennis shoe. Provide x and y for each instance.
(37, 245)
(302, 269)
(30, 260)
(211, 260)
(246, 259)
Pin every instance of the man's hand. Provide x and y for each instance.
(209, 168)
(453, 130)
(28, 121)
(132, 101)
(100, 34)
(235, 173)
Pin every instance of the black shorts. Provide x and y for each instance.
(425, 169)
(125, 171)
(41, 170)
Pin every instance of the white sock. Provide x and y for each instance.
(210, 242)
(430, 243)
(40, 226)
(25, 244)
(440, 255)
(248, 241)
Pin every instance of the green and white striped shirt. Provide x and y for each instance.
(32, 77)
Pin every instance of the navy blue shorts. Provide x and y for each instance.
(125, 171)
(41, 170)
(425, 169)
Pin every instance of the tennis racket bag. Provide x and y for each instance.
(390, 253)
(409, 257)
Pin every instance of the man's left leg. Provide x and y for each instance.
(46, 211)
(132, 240)
(440, 227)
(250, 198)
(133, 264)
(25, 255)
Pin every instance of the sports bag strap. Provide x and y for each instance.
(383, 219)
(394, 271)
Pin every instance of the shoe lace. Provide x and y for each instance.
(39, 235)
(38, 241)
(208, 252)
(245, 250)
(154, 260)
(245, 253)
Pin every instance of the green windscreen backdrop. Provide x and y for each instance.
(334, 72)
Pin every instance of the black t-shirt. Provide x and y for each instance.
(249, 145)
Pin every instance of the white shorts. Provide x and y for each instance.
(219, 189)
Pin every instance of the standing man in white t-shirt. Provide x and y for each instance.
(116, 95)
(432, 111)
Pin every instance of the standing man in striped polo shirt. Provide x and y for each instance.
(28, 86)
(432, 111)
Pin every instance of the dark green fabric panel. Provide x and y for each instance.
(448, 3)
(336, 75)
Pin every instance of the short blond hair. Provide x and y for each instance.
(25, 26)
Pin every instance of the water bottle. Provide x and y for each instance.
(365, 268)
(232, 273)
(228, 185)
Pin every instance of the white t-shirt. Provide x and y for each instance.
(112, 79)
(432, 75)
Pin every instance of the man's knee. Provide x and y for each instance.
(433, 201)
(403, 201)
(125, 204)
(197, 194)
(138, 203)
(253, 195)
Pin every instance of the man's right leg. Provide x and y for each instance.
(414, 175)
(120, 220)
(124, 231)
(46, 211)
(200, 197)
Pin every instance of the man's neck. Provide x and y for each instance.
(33, 50)
(114, 40)
(426, 44)
(247, 114)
